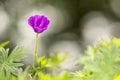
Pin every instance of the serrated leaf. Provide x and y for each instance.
(104, 62)
(10, 63)
(16, 54)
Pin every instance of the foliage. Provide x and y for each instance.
(81, 75)
(10, 62)
(100, 62)
(117, 77)
(4, 44)
(46, 64)
(64, 75)
(52, 61)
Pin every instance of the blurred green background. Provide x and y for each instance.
(75, 24)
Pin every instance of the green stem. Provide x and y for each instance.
(35, 52)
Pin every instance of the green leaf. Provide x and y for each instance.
(43, 62)
(103, 60)
(53, 61)
(16, 54)
(57, 58)
(10, 63)
(4, 44)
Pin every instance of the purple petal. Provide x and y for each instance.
(38, 30)
(42, 22)
(39, 23)
(45, 28)
(31, 21)
(36, 19)
(39, 20)
(46, 23)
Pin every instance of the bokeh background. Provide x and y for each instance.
(75, 24)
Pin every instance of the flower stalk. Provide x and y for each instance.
(36, 49)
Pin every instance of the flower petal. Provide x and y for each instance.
(31, 21)
(46, 22)
(38, 30)
(42, 22)
(37, 20)
(39, 23)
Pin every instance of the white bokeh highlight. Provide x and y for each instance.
(96, 27)
(4, 20)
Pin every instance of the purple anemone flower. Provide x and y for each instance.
(39, 23)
